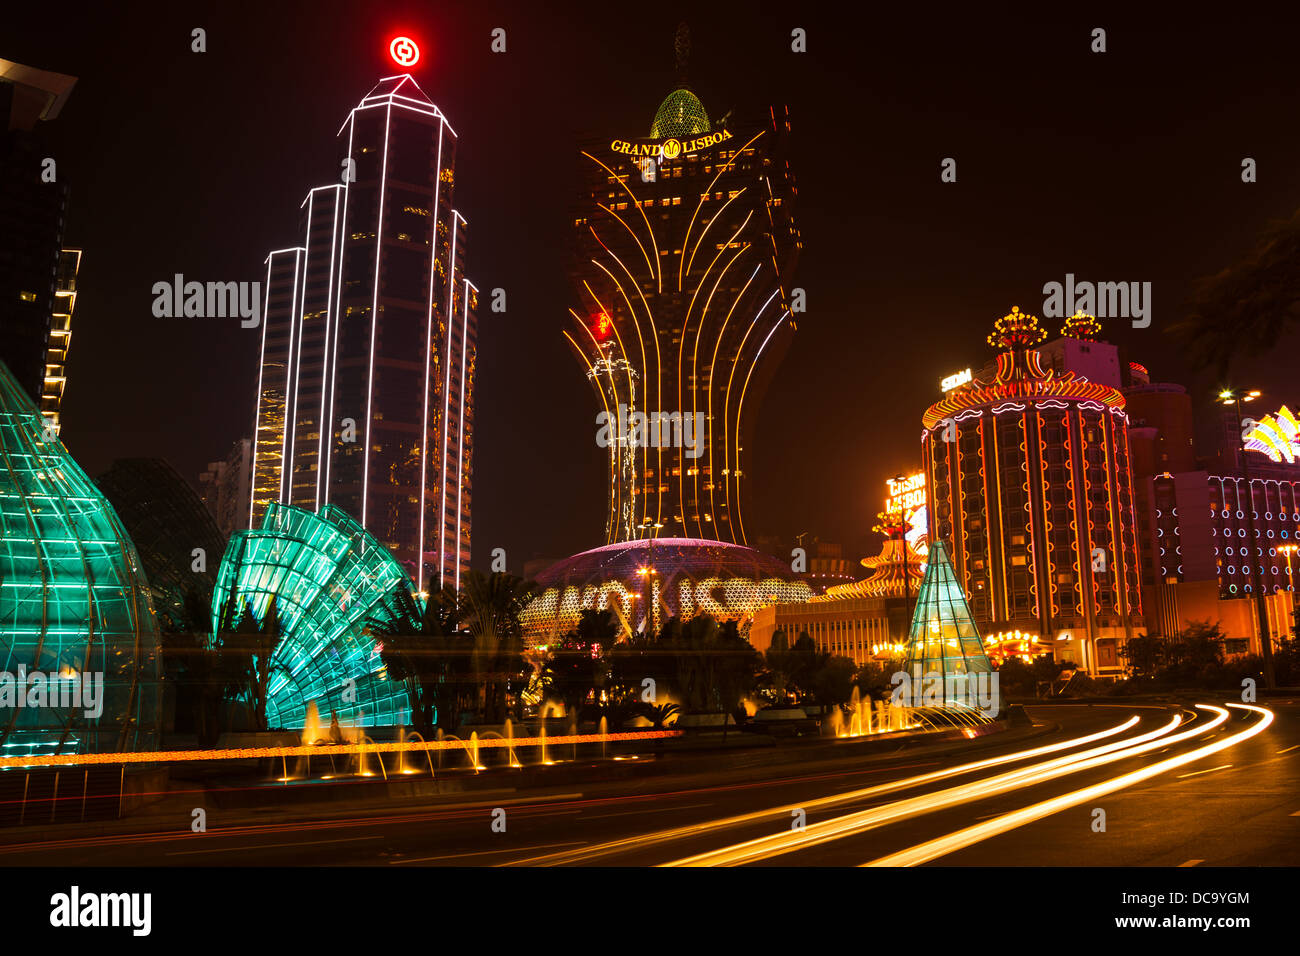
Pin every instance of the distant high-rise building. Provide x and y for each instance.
(33, 206)
(56, 351)
(685, 244)
(224, 487)
(365, 388)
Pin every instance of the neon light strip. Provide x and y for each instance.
(257, 410)
(681, 362)
(695, 392)
(740, 405)
(726, 405)
(286, 449)
(446, 396)
(425, 450)
(323, 427)
(327, 428)
(299, 319)
(654, 333)
(645, 448)
(460, 467)
(658, 270)
(726, 434)
(698, 206)
(374, 323)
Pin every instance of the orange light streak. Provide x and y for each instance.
(324, 750)
(944, 845)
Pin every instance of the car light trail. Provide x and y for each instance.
(861, 821)
(944, 845)
(665, 836)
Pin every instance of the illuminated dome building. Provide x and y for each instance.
(685, 248)
(1031, 490)
(74, 602)
(679, 577)
(329, 578)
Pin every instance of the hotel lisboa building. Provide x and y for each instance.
(1031, 489)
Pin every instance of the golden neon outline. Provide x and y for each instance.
(658, 270)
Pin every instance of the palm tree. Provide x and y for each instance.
(1247, 308)
(423, 646)
(243, 657)
(579, 662)
(493, 605)
(660, 714)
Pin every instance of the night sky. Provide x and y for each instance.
(1122, 166)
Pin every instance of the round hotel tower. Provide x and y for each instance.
(1031, 489)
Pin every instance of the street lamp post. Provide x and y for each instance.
(1235, 397)
(647, 572)
(1288, 550)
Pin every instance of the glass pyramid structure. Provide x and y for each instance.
(74, 601)
(330, 579)
(943, 639)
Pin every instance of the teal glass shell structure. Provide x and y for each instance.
(74, 601)
(331, 581)
(943, 639)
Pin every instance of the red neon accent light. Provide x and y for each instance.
(404, 51)
(602, 326)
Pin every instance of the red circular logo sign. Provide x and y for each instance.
(404, 51)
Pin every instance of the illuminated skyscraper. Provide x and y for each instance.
(56, 350)
(33, 211)
(1031, 491)
(686, 244)
(365, 391)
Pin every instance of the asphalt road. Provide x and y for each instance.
(1034, 801)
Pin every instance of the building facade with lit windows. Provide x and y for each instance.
(1208, 519)
(224, 487)
(56, 349)
(366, 377)
(1030, 488)
(33, 218)
(866, 620)
(685, 245)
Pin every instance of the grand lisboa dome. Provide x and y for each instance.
(673, 577)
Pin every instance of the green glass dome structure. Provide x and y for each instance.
(680, 116)
(74, 602)
(330, 579)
